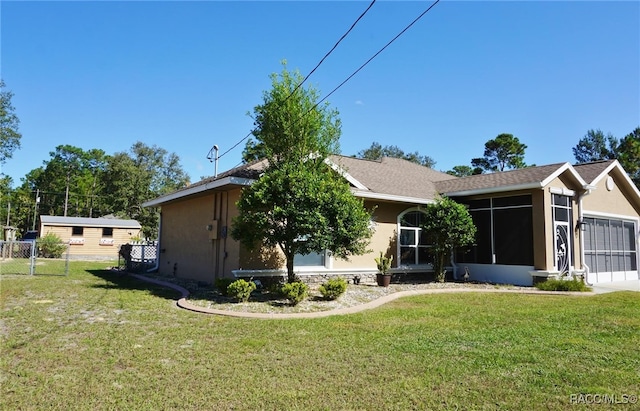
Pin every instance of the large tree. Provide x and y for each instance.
(628, 153)
(9, 122)
(503, 152)
(464, 171)
(595, 146)
(448, 225)
(299, 203)
(376, 151)
(133, 177)
(68, 182)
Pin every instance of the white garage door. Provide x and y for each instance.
(611, 250)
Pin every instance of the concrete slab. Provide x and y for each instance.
(630, 285)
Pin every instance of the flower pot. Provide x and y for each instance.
(383, 280)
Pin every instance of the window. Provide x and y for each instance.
(107, 232)
(414, 247)
(504, 231)
(309, 260)
(312, 259)
(77, 231)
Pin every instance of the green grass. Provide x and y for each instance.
(100, 340)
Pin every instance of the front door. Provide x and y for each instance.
(562, 247)
(562, 220)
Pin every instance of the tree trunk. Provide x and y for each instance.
(440, 271)
(291, 277)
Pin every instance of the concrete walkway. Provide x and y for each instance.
(184, 303)
(630, 285)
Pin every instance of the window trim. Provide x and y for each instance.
(417, 246)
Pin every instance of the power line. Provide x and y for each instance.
(375, 55)
(330, 51)
(355, 72)
(311, 72)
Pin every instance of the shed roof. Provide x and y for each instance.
(88, 222)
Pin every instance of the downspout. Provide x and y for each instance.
(585, 267)
(155, 267)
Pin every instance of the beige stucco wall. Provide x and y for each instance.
(612, 202)
(384, 239)
(385, 217)
(195, 237)
(91, 242)
(185, 247)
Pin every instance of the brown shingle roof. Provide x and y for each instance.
(591, 171)
(250, 170)
(505, 179)
(393, 176)
(397, 177)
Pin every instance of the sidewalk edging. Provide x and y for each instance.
(182, 302)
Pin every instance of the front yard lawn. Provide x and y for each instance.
(87, 341)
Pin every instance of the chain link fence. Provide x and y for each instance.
(21, 257)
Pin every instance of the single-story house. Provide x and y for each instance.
(91, 237)
(532, 222)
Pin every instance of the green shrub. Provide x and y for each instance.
(563, 285)
(295, 292)
(51, 246)
(275, 286)
(222, 283)
(241, 290)
(333, 288)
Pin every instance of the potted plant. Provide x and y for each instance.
(384, 264)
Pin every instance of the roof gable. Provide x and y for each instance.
(594, 173)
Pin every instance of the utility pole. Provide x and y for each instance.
(213, 157)
(35, 209)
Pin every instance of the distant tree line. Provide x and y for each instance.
(79, 183)
(506, 152)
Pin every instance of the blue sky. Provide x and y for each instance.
(184, 75)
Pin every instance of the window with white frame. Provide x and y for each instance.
(412, 240)
(312, 259)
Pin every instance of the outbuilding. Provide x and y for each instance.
(91, 237)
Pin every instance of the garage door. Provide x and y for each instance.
(611, 250)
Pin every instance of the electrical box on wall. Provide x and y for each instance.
(212, 227)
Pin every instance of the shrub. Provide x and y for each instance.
(51, 246)
(333, 288)
(295, 292)
(222, 283)
(241, 290)
(563, 285)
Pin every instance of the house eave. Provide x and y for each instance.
(491, 190)
(227, 181)
(369, 195)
